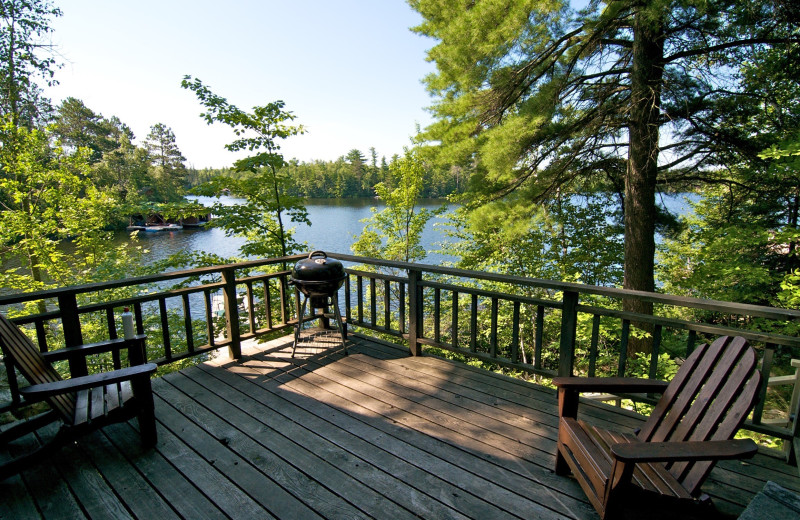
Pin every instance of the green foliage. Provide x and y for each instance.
(260, 219)
(46, 200)
(531, 96)
(574, 238)
(24, 25)
(168, 173)
(395, 232)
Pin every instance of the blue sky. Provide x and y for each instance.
(350, 70)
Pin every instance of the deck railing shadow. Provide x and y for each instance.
(539, 327)
(322, 418)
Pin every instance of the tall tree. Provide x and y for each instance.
(532, 95)
(261, 219)
(395, 233)
(24, 54)
(169, 171)
(76, 125)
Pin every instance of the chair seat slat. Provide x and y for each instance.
(112, 397)
(81, 408)
(97, 403)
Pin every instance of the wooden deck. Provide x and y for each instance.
(375, 434)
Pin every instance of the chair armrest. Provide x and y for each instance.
(44, 390)
(94, 348)
(684, 451)
(610, 384)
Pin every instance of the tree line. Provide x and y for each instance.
(350, 176)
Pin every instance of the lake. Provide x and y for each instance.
(335, 224)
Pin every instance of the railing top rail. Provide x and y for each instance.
(140, 280)
(612, 292)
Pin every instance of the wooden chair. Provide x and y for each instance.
(690, 428)
(83, 403)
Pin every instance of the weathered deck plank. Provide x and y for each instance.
(375, 434)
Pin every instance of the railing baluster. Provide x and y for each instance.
(594, 343)
(690, 344)
(656, 351)
(209, 317)
(251, 316)
(766, 368)
(347, 311)
(437, 311)
(515, 334)
(41, 336)
(165, 336)
(373, 305)
(187, 323)
(387, 306)
(111, 323)
(112, 334)
(283, 293)
(454, 321)
(493, 329)
(402, 299)
(473, 325)
(360, 297)
(539, 339)
(268, 304)
(137, 318)
(623, 348)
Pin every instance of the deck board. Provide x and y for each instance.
(375, 434)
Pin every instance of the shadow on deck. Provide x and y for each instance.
(373, 434)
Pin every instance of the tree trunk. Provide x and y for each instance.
(640, 180)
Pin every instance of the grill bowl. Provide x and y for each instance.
(318, 275)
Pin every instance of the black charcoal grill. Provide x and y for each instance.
(318, 278)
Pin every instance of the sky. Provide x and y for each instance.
(350, 70)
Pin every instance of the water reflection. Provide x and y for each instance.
(335, 225)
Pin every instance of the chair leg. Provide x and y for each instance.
(147, 427)
(561, 467)
(143, 393)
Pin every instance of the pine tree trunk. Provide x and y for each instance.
(640, 180)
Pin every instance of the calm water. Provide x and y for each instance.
(335, 224)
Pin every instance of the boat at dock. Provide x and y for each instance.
(156, 228)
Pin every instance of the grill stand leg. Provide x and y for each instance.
(299, 323)
(339, 322)
(337, 315)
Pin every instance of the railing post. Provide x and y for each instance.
(231, 312)
(73, 337)
(415, 318)
(569, 328)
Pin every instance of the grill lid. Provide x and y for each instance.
(317, 268)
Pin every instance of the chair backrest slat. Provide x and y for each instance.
(708, 399)
(33, 366)
(672, 394)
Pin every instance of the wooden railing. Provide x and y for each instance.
(539, 327)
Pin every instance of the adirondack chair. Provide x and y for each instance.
(691, 427)
(82, 404)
